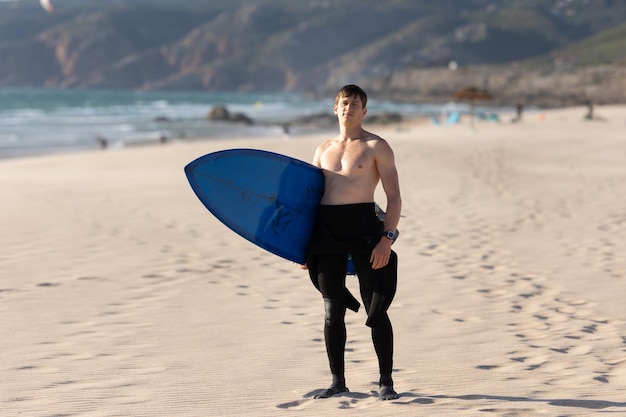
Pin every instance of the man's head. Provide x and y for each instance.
(351, 90)
(350, 106)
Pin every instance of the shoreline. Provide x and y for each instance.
(300, 128)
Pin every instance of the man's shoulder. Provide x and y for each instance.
(380, 148)
(372, 137)
(376, 141)
(328, 142)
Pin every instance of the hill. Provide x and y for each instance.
(278, 45)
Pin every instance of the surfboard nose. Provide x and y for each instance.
(267, 198)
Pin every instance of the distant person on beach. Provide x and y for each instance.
(589, 104)
(519, 110)
(285, 129)
(354, 162)
(102, 141)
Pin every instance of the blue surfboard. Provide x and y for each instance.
(267, 198)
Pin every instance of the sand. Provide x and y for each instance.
(120, 295)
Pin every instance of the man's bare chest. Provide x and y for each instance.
(350, 158)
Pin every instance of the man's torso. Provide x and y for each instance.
(350, 170)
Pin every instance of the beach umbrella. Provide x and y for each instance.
(471, 95)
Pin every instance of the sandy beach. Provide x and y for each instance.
(121, 295)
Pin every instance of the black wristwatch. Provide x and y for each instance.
(390, 235)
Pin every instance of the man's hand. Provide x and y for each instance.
(381, 253)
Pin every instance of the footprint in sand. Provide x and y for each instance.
(48, 284)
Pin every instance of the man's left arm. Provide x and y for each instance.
(385, 163)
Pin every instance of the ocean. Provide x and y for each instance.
(40, 121)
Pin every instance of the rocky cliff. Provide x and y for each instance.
(548, 86)
(534, 51)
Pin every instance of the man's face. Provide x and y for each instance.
(349, 110)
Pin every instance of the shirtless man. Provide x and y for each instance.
(354, 162)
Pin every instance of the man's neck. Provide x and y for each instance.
(347, 133)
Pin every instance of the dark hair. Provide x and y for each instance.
(352, 90)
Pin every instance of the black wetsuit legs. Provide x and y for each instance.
(377, 289)
(342, 230)
(332, 286)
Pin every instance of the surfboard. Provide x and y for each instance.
(267, 198)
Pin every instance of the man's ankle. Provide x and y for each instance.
(385, 380)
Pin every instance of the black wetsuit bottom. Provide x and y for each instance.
(352, 229)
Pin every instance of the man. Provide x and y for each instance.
(354, 162)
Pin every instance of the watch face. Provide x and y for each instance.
(390, 235)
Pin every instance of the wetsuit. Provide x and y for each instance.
(352, 229)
